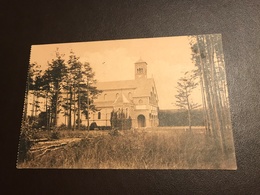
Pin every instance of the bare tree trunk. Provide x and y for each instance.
(33, 102)
(47, 112)
(70, 109)
(56, 110)
(26, 100)
(88, 102)
(78, 109)
(216, 107)
(56, 105)
(36, 104)
(74, 111)
(189, 109)
(66, 109)
(211, 91)
(206, 86)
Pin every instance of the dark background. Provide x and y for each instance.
(24, 23)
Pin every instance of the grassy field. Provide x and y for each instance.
(158, 148)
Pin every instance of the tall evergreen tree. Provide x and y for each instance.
(33, 88)
(67, 87)
(185, 86)
(55, 75)
(80, 86)
(209, 59)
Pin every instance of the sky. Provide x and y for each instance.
(168, 59)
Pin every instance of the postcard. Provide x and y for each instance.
(151, 103)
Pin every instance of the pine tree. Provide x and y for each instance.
(185, 86)
(209, 60)
(33, 88)
(81, 89)
(66, 87)
(54, 76)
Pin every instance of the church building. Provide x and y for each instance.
(137, 99)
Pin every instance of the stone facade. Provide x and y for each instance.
(135, 98)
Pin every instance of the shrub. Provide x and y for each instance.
(55, 135)
(62, 127)
(26, 136)
(114, 132)
(122, 123)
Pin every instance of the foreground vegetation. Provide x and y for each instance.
(136, 149)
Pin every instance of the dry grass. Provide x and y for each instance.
(142, 149)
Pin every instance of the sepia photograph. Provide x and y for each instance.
(147, 103)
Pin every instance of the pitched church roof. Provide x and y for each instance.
(141, 87)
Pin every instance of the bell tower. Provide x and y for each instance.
(140, 69)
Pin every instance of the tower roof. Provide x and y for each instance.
(140, 61)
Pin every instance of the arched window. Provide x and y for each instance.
(105, 96)
(140, 70)
(99, 115)
(117, 95)
(130, 95)
(140, 101)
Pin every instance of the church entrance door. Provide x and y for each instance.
(141, 120)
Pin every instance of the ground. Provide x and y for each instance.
(154, 148)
